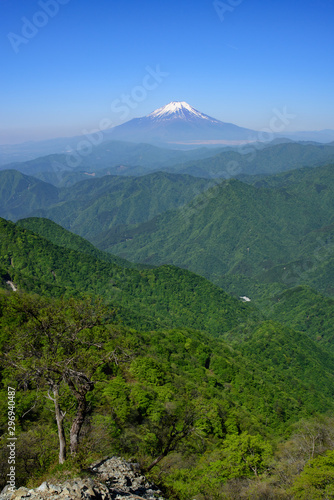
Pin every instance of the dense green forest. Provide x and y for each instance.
(94, 205)
(278, 231)
(259, 159)
(214, 397)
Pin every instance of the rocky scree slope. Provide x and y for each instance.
(111, 479)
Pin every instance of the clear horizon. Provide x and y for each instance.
(71, 67)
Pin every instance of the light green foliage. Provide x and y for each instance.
(244, 455)
(148, 298)
(186, 379)
(240, 456)
(117, 393)
(316, 482)
(148, 370)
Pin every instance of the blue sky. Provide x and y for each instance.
(66, 65)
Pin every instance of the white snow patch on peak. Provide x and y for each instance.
(180, 109)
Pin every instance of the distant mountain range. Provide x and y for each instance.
(108, 158)
(176, 125)
(131, 159)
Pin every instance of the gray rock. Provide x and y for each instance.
(43, 487)
(113, 478)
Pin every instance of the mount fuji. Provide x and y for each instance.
(180, 123)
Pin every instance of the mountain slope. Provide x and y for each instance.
(165, 297)
(267, 367)
(249, 160)
(21, 194)
(235, 228)
(124, 158)
(94, 206)
(305, 310)
(62, 238)
(178, 122)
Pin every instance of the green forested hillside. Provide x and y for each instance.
(254, 160)
(62, 238)
(305, 310)
(21, 194)
(94, 206)
(183, 377)
(172, 296)
(238, 229)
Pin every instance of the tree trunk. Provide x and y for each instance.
(77, 423)
(155, 462)
(60, 419)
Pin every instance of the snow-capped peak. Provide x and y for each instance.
(178, 109)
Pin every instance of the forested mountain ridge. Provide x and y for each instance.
(235, 228)
(172, 296)
(122, 158)
(63, 238)
(299, 307)
(21, 194)
(96, 205)
(257, 159)
(236, 379)
(192, 382)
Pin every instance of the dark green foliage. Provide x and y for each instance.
(91, 208)
(63, 238)
(316, 482)
(305, 310)
(168, 295)
(21, 194)
(255, 160)
(237, 230)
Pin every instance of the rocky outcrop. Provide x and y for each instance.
(111, 479)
